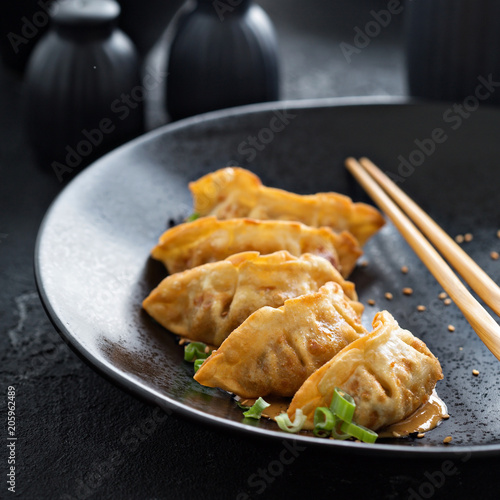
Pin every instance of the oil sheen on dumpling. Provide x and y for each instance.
(275, 350)
(208, 240)
(235, 192)
(388, 372)
(208, 302)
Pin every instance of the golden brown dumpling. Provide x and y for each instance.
(275, 350)
(388, 372)
(208, 302)
(235, 192)
(208, 240)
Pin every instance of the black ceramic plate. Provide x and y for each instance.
(93, 267)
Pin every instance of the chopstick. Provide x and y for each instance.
(483, 324)
(478, 280)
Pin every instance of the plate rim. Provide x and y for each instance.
(138, 389)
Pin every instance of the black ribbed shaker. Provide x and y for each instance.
(224, 54)
(453, 50)
(84, 95)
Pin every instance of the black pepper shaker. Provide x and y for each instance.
(223, 54)
(83, 93)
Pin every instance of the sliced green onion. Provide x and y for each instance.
(197, 364)
(193, 216)
(195, 350)
(285, 424)
(336, 431)
(342, 405)
(359, 432)
(323, 421)
(242, 407)
(256, 410)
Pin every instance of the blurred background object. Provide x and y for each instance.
(451, 47)
(84, 95)
(23, 23)
(314, 61)
(223, 54)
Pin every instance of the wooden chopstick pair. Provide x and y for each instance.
(379, 187)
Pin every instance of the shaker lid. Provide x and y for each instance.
(90, 13)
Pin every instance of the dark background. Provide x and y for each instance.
(81, 437)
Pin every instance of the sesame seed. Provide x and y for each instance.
(388, 295)
(451, 328)
(498, 233)
(443, 295)
(371, 302)
(420, 435)
(396, 434)
(468, 237)
(447, 302)
(182, 341)
(475, 372)
(459, 238)
(404, 269)
(494, 255)
(447, 439)
(407, 291)
(460, 348)
(446, 416)
(207, 349)
(421, 308)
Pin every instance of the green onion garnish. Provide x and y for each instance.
(335, 421)
(256, 410)
(342, 405)
(195, 350)
(285, 424)
(359, 432)
(193, 216)
(323, 422)
(197, 364)
(337, 432)
(242, 407)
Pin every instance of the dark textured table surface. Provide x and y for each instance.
(81, 437)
